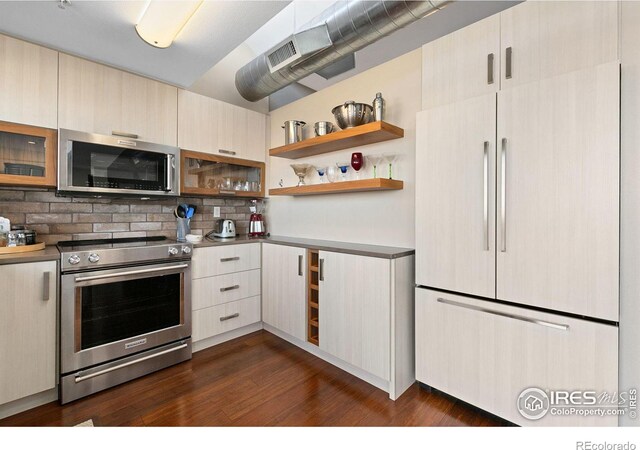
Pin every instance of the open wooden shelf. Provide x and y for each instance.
(370, 184)
(369, 133)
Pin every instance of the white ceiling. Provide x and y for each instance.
(104, 31)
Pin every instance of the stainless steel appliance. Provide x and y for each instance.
(224, 228)
(93, 164)
(125, 311)
(256, 223)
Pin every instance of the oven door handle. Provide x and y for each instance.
(130, 272)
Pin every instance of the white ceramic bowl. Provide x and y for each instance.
(193, 238)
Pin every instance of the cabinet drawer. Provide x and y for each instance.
(211, 261)
(219, 319)
(487, 353)
(211, 291)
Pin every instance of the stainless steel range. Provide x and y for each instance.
(125, 311)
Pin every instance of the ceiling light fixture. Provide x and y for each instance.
(161, 21)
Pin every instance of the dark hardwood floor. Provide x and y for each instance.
(255, 380)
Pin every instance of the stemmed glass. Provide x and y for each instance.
(321, 171)
(390, 158)
(300, 170)
(374, 160)
(343, 170)
(356, 163)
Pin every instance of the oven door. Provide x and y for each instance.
(109, 314)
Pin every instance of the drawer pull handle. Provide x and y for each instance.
(227, 192)
(232, 316)
(544, 323)
(235, 258)
(230, 288)
(226, 152)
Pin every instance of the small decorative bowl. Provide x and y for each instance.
(194, 238)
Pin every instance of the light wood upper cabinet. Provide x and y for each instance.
(462, 65)
(455, 196)
(355, 310)
(552, 38)
(28, 83)
(284, 289)
(211, 126)
(558, 245)
(27, 329)
(99, 99)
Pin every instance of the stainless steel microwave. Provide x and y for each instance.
(93, 164)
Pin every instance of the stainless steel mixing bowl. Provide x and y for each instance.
(352, 114)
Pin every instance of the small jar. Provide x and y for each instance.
(12, 239)
(21, 238)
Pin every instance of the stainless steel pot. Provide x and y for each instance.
(322, 128)
(352, 114)
(293, 131)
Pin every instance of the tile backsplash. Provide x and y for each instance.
(66, 218)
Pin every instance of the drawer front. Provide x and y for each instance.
(219, 319)
(211, 291)
(487, 354)
(211, 261)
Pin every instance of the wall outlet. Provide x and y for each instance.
(216, 212)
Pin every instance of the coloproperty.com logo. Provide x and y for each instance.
(535, 403)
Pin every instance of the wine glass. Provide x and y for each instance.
(356, 163)
(390, 158)
(321, 171)
(332, 173)
(374, 160)
(343, 170)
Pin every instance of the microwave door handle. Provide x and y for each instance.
(171, 167)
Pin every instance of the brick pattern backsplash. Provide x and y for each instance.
(70, 218)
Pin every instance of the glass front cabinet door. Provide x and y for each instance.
(27, 155)
(213, 175)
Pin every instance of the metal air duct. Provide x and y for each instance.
(351, 25)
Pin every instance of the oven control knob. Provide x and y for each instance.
(94, 258)
(186, 250)
(173, 251)
(74, 259)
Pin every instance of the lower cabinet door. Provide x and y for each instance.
(208, 322)
(355, 310)
(27, 329)
(488, 354)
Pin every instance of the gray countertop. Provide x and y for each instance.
(376, 251)
(50, 253)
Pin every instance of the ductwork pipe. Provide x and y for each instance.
(352, 25)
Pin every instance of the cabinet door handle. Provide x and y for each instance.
(300, 265)
(123, 134)
(232, 316)
(544, 323)
(226, 152)
(235, 258)
(230, 288)
(509, 57)
(503, 196)
(171, 167)
(321, 269)
(490, 59)
(46, 279)
(485, 208)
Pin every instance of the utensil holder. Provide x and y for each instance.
(183, 229)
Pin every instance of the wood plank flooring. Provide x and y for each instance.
(255, 380)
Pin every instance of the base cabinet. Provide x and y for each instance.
(28, 351)
(487, 354)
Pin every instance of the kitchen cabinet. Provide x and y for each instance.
(28, 351)
(559, 171)
(212, 126)
(463, 64)
(455, 192)
(355, 310)
(226, 290)
(487, 354)
(28, 155)
(28, 83)
(98, 99)
(546, 39)
(284, 289)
